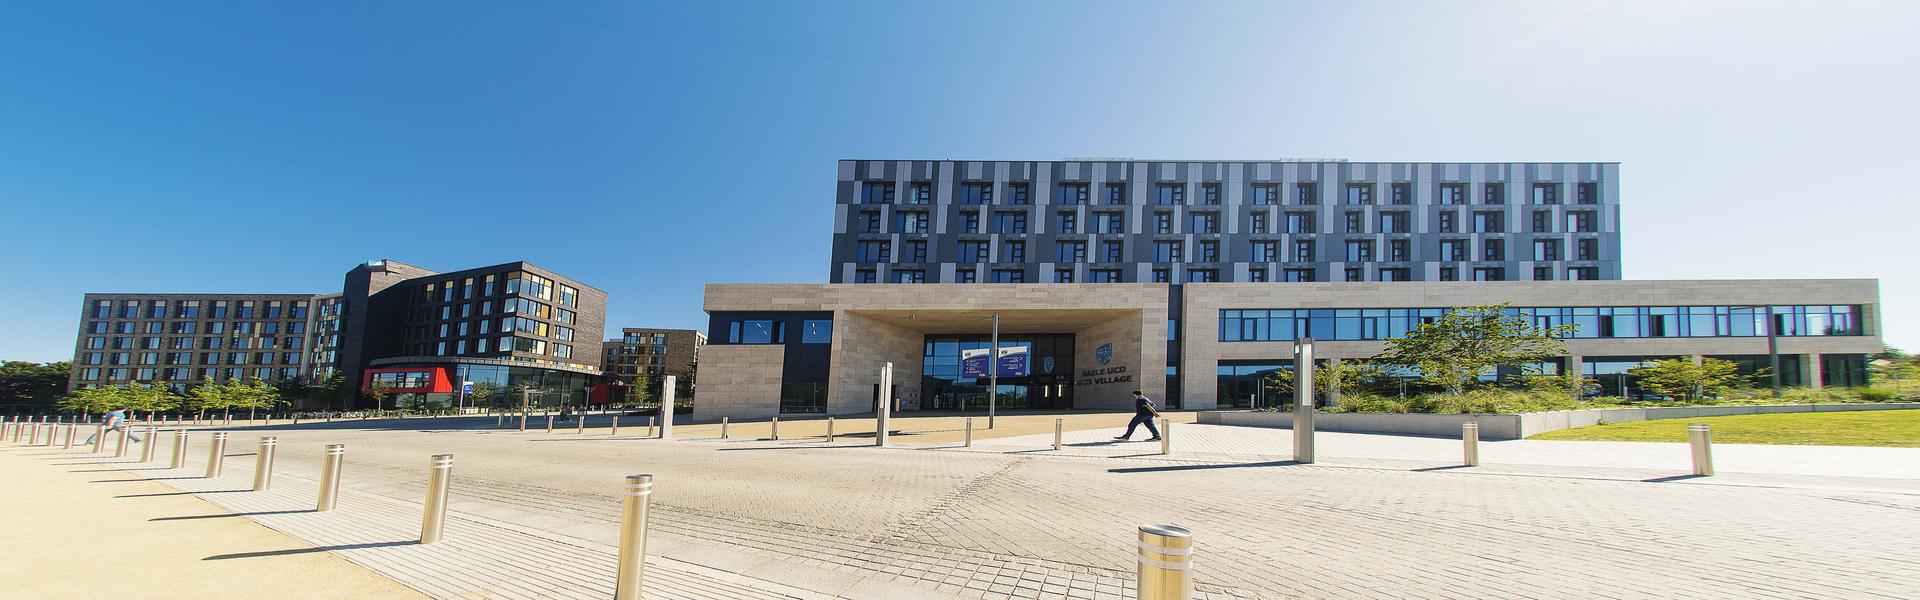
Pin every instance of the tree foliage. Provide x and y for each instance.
(1453, 350)
(32, 384)
(1680, 378)
(378, 391)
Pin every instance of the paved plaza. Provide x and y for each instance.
(534, 514)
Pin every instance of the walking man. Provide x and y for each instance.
(1143, 413)
(116, 421)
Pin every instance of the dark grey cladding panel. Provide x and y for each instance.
(847, 192)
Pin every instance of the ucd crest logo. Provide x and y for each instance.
(1046, 364)
(1103, 354)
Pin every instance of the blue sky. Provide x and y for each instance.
(650, 148)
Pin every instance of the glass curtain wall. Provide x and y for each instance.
(1049, 384)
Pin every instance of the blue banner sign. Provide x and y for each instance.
(1013, 362)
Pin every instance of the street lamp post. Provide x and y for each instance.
(993, 377)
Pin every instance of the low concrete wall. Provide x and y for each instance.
(1513, 427)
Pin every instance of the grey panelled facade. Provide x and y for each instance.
(1124, 221)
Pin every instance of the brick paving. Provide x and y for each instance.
(803, 517)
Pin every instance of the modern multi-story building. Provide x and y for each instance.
(416, 332)
(1190, 280)
(1120, 221)
(653, 353)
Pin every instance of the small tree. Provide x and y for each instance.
(378, 391)
(642, 389)
(1465, 342)
(482, 394)
(91, 400)
(211, 395)
(1680, 378)
(253, 395)
(153, 398)
(332, 388)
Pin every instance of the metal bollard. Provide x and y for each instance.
(523, 421)
(120, 446)
(1166, 437)
(216, 454)
(549, 423)
(829, 429)
(633, 537)
(499, 421)
(33, 437)
(776, 429)
(1470, 439)
(179, 449)
(71, 430)
(1057, 424)
(263, 464)
(434, 521)
(723, 428)
(148, 445)
(99, 438)
(969, 439)
(616, 426)
(330, 477)
(649, 426)
(1166, 563)
(1701, 437)
(582, 429)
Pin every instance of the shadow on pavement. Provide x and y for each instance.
(225, 515)
(1673, 478)
(183, 493)
(309, 550)
(1277, 463)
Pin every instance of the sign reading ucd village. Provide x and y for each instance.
(1012, 363)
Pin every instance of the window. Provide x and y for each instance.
(976, 193)
(1166, 251)
(1210, 193)
(1113, 251)
(1257, 274)
(753, 332)
(1359, 251)
(1070, 252)
(1401, 193)
(1073, 193)
(872, 252)
(1449, 221)
(1453, 250)
(920, 192)
(1162, 222)
(1209, 251)
(486, 286)
(1010, 222)
(972, 251)
(1356, 222)
(187, 309)
(1203, 222)
(1493, 250)
(1356, 274)
(1107, 222)
(1063, 275)
(1489, 274)
(1396, 274)
(1265, 251)
(1168, 194)
(1303, 251)
(1009, 276)
(1393, 222)
(1066, 222)
(816, 332)
(1257, 222)
(910, 222)
(1397, 251)
(880, 192)
(1580, 221)
(1583, 273)
(966, 276)
(1453, 193)
(1103, 276)
(1297, 275)
(1449, 274)
(970, 222)
(915, 252)
(1305, 193)
(1017, 194)
(1162, 276)
(1546, 193)
(1586, 249)
(1013, 252)
(869, 221)
(1202, 275)
(1493, 193)
(1116, 193)
(1586, 193)
(1299, 222)
(1266, 193)
(1546, 249)
(867, 275)
(1359, 193)
(1489, 222)
(1543, 273)
(1542, 220)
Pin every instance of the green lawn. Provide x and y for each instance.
(1900, 428)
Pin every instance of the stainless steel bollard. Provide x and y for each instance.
(582, 428)
(829, 429)
(33, 437)
(179, 449)
(776, 429)
(1470, 439)
(616, 426)
(263, 464)
(216, 454)
(549, 423)
(148, 445)
(335, 458)
(99, 438)
(1701, 437)
(1166, 563)
(633, 537)
(71, 430)
(649, 426)
(434, 520)
(1057, 423)
(523, 420)
(499, 420)
(969, 439)
(1166, 436)
(120, 446)
(723, 428)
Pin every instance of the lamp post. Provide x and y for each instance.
(993, 371)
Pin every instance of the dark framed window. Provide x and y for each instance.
(877, 192)
(1072, 193)
(1167, 194)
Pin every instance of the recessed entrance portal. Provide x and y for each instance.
(1048, 385)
